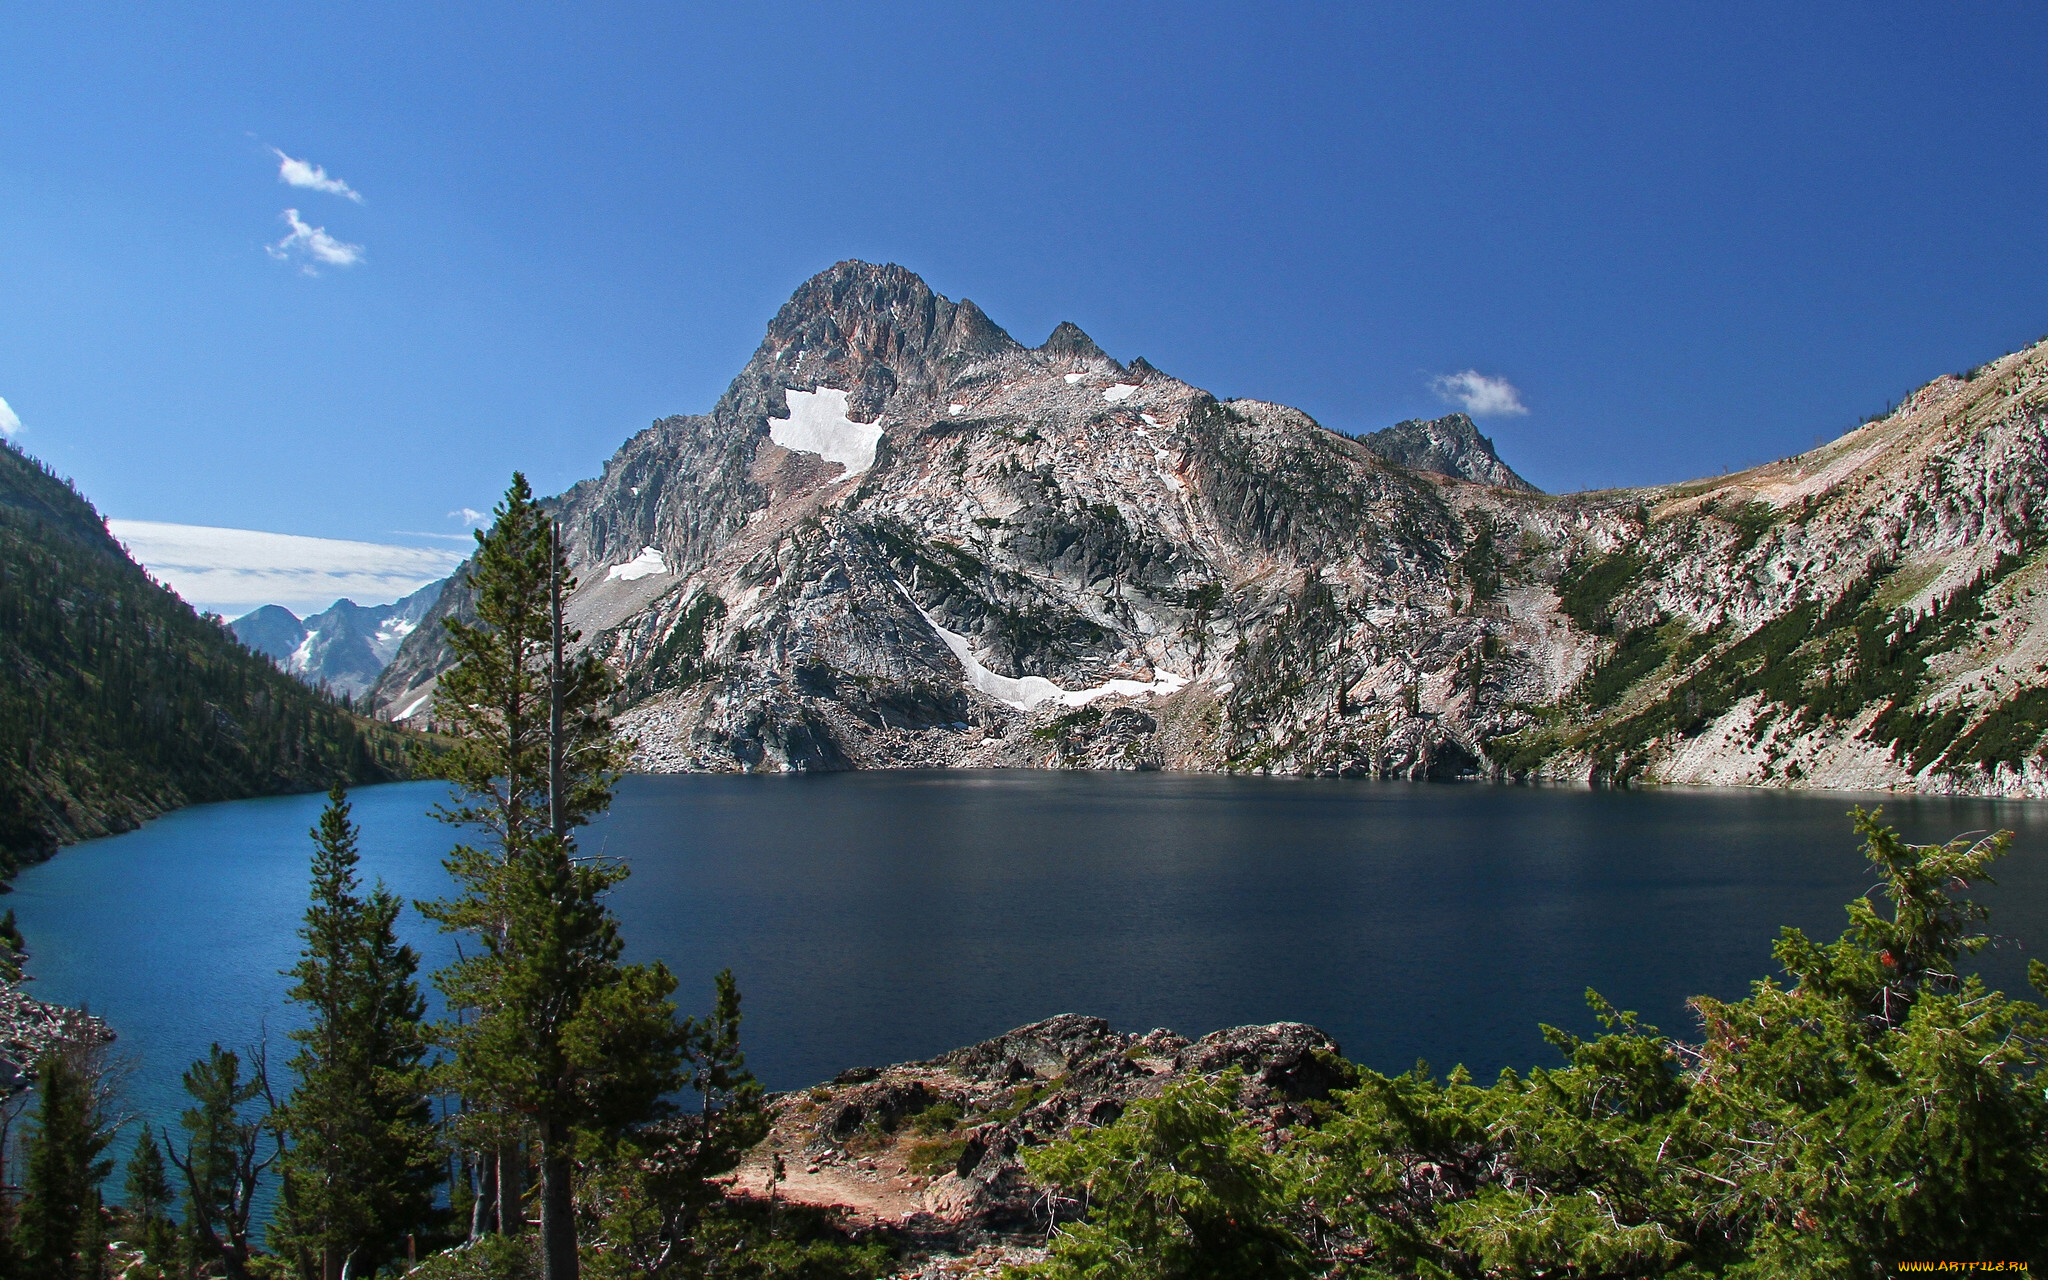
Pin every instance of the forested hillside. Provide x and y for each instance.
(118, 702)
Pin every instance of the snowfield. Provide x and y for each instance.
(1032, 692)
(817, 423)
(645, 565)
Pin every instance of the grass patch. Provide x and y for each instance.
(940, 1117)
(934, 1156)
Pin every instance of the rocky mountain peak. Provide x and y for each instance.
(870, 329)
(1069, 342)
(1449, 446)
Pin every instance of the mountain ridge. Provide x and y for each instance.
(1055, 560)
(118, 702)
(344, 647)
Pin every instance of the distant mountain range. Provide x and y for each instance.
(345, 648)
(118, 702)
(902, 538)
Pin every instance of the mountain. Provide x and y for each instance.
(345, 648)
(1449, 446)
(902, 538)
(118, 702)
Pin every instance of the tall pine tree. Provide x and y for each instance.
(360, 1173)
(223, 1160)
(149, 1202)
(59, 1222)
(553, 1031)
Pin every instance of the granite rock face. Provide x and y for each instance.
(1052, 559)
(1449, 446)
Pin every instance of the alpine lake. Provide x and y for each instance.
(881, 917)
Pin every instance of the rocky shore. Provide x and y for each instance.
(30, 1028)
(930, 1153)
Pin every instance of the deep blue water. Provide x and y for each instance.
(877, 917)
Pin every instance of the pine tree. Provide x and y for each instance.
(560, 1035)
(360, 1173)
(221, 1163)
(60, 1205)
(149, 1202)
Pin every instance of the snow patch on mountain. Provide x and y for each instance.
(1031, 692)
(645, 565)
(817, 423)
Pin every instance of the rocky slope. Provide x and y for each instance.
(931, 1152)
(902, 538)
(343, 648)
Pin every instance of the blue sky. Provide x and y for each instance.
(1691, 237)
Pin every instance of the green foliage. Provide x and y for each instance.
(59, 1234)
(222, 1164)
(485, 1258)
(1637, 652)
(940, 1117)
(1586, 591)
(1833, 662)
(2010, 734)
(652, 1193)
(147, 1211)
(13, 947)
(743, 1240)
(1180, 1186)
(1481, 562)
(360, 1173)
(934, 1156)
(1201, 601)
(1068, 724)
(1876, 1108)
(1751, 520)
(121, 702)
(552, 1035)
(678, 661)
(1278, 666)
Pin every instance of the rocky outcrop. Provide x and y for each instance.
(1040, 557)
(1449, 446)
(932, 1150)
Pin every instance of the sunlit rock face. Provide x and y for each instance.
(903, 539)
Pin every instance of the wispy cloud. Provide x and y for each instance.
(10, 421)
(304, 173)
(232, 571)
(314, 244)
(1479, 395)
(469, 515)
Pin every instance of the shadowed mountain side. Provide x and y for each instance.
(118, 702)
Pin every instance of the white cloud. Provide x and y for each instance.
(1479, 395)
(232, 571)
(10, 421)
(304, 173)
(314, 243)
(469, 515)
